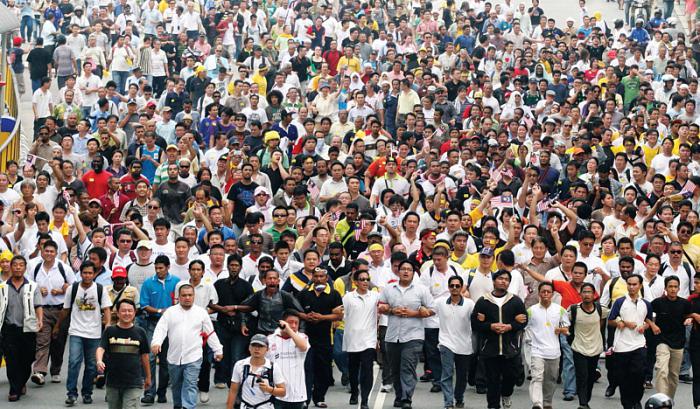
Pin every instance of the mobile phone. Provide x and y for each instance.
(282, 326)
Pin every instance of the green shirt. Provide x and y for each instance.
(631, 85)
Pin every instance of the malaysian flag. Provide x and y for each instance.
(109, 239)
(688, 189)
(546, 203)
(31, 160)
(502, 201)
(66, 196)
(313, 189)
(115, 199)
(359, 226)
(77, 261)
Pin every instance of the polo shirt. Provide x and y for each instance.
(158, 293)
(637, 311)
(360, 321)
(319, 333)
(14, 313)
(542, 321)
(455, 325)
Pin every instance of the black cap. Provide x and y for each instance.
(300, 191)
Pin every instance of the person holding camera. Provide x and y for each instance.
(256, 377)
(288, 348)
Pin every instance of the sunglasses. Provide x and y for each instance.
(455, 286)
(153, 207)
(185, 166)
(256, 242)
(363, 280)
(279, 215)
(125, 241)
(675, 252)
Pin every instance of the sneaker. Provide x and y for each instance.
(321, 405)
(449, 407)
(685, 378)
(481, 390)
(406, 405)
(38, 378)
(220, 385)
(568, 398)
(427, 376)
(148, 400)
(70, 401)
(386, 388)
(55, 378)
(648, 385)
(353, 399)
(344, 380)
(609, 391)
(459, 404)
(204, 397)
(397, 403)
(436, 389)
(507, 403)
(162, 399)
(87, 399)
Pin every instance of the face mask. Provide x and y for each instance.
(320, 287)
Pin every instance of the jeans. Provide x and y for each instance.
(122, 398)
(628, 3)
(339, 356)
(360, 366)
(81, 349)
(36, 84)
(452, 363)
(544, 380)
(685, 365)
(149, 326)
(631, 380)
(568, 372)
(18, 347)
(235, 349)
(119, 78)
(500, 378)
(432, 354)
(26, 28)
(184, 383)
(668, 8)
(403, 357)
(668, 365)
(585, 376)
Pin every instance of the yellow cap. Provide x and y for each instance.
(6, 255)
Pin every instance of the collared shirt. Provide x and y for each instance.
(542, 321)
(630, 310)
(159, 293)
(323, 303)
(436, 282)
(184, 328)
(360, 321)
(14, 313)
(455, 325)
(204, 293)
(401, 329)
(52, 279)
(286, 356)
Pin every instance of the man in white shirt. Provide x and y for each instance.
(185, 325)
(288, 348)
(42, 104)
(360, 337)
(546, 321)
(455, 341)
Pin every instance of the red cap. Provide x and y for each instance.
(119, 272)
(17, 41)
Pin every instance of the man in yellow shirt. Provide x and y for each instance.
(348, 63)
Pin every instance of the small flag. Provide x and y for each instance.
(31, 160)
(313, 189)
(502, 201)
(109, 238)
(688, 189)
(77, 261)
(359, 227)
(66, 196)
(115, 199)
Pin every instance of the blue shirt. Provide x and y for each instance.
(158, 294)
(148, 169)
(226, 231)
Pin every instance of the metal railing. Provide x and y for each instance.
(10, 142)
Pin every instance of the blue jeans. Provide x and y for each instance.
(668, 8)
(340, 357)
(26, 28)
(80, 348)
(568, 372)
(685, 365)
(149, 326)
(453, 363)
(184, 383)
(119, 78)
(36, 84)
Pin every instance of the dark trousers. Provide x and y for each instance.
(609, 360)
(585, 376)
(19, 348)
(631, 379)
(500, 378)
(318, 372)
(360, 368)
(235, 349)
(477, 370)
(432, 353)
(289, 405)
(695, 362)
(204, 370)
(403, 358)
(387, 378)
(652, 341)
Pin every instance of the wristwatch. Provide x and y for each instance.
(160, 311)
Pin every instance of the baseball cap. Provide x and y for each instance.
(259, 339)
(171, 146)
(487, 251)
(119, 271)
(131, 101)
(145, 244)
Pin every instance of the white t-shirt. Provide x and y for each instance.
(167, 249)
(250, 390)
(455, 325)
(360, 321)
(541, 325)
(86, 314)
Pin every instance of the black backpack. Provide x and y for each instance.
(572, 325)
(61, 270)
(74, 293)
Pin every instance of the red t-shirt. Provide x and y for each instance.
(96, 183)
(129, 185)
(569, 295)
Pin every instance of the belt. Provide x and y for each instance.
(53, 307)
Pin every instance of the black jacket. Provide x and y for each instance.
(492, 344)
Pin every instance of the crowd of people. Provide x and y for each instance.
(468, 191)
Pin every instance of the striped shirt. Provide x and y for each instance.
(289, 360)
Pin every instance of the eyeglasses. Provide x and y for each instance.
(362, 280)
(153, 207)
(125, 241)
(455, 285)
(675, 252)
(256, 242)
(279, 215)
(587, 244)
(684, 231)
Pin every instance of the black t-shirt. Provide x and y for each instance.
(38, 61)
(231, 293)
(301, 67)
(123, 350)
(354, 247)
(319, 333)
(242, 197)
(173, 198)
(669, 317)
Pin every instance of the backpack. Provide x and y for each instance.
(61, 270)
(432, 269)
(612, 285)
(572, 325)
(687, 268)
(74, 293)
(267, 375)
(112, 256)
